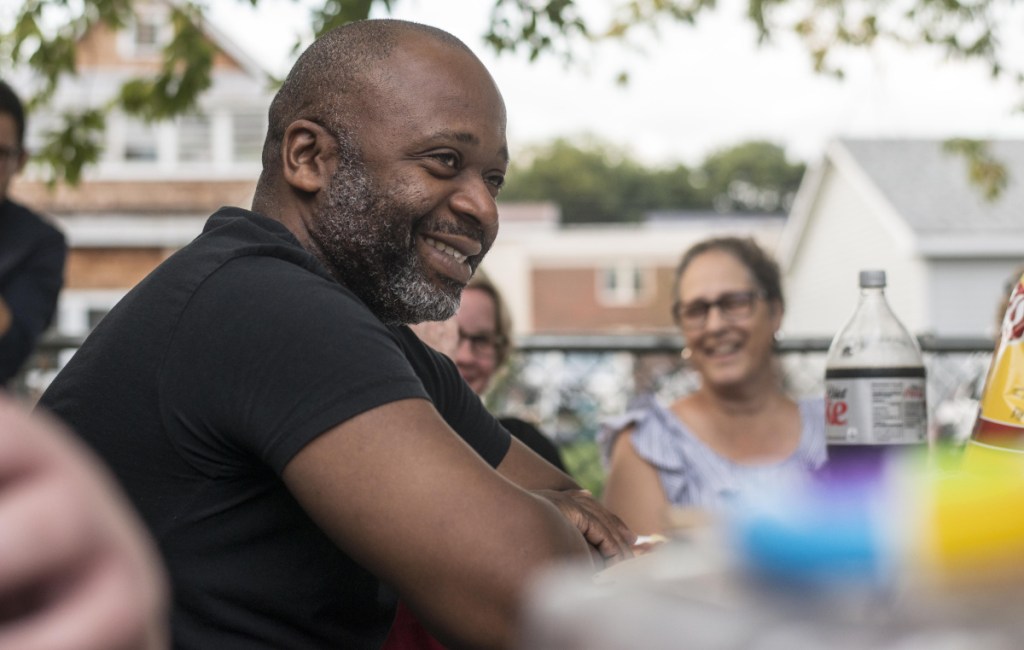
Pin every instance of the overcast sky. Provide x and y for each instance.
(697, 88)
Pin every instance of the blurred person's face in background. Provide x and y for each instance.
(476, 355)
(728, 325)
(11, 156)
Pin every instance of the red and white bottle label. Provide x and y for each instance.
(873, 406)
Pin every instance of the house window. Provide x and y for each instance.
(195, 138)
(147, 33)
(139, 141)
(622, 284)
(80, 310)
(38, 129)
(249, 130)
(93, 316)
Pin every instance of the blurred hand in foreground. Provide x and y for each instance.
(79, 569)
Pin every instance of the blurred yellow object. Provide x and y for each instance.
(1001, 417)
(979, 458)
(972, 518)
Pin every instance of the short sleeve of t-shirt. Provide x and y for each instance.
(460, 407)
(266, 357)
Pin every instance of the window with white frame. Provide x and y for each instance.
(622, 284)
(195, 141)
(247, 141)
(37, 128)
(147, 33)
(79, 310)
(140, 141)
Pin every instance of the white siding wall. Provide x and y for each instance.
(964, 295)
(847, 232)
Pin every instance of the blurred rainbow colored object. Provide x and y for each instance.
(928, 517)
(935, 516)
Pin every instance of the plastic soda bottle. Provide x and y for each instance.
(874, 384)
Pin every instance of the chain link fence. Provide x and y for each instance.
(570, 385)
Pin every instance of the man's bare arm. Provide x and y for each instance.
(610, 538)
(403, 495)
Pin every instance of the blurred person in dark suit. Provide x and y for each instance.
(32, 251)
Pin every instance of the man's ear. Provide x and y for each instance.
(307, 151)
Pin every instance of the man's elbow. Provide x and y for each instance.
(537, 538)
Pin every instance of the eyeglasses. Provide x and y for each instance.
(733, 306)
(483, 344)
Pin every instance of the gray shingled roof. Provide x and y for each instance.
(930, 188)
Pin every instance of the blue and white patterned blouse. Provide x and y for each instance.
(693, 474)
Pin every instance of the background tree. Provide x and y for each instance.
(595, 182)
(969, 29)
(751, 177)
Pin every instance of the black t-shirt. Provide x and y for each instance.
(201, 385)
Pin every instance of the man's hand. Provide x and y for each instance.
(79, 570)
(610, 540)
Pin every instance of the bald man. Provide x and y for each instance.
(289, 441)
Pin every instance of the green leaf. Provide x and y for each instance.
(72, 146)
(984, 170)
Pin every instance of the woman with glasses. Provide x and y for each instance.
(739, 431)
(484, 346)
(479, 340)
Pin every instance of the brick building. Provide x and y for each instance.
(155, 183)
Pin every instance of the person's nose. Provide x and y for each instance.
(475, 198)
(715, 319)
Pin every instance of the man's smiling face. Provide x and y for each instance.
(411, 208)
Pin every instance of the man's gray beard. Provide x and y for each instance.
(365, 237)
(415, 300)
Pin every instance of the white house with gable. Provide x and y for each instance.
(908, 207)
